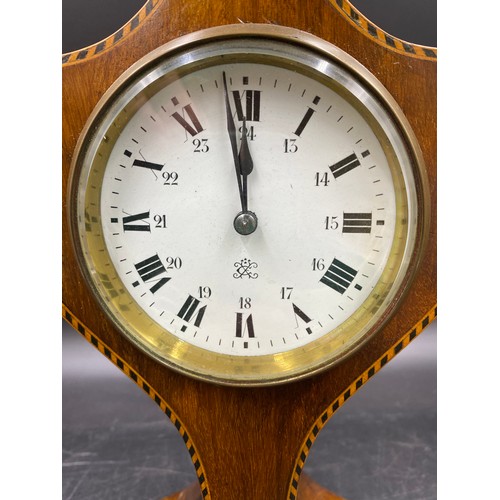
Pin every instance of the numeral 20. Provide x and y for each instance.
(173, 262)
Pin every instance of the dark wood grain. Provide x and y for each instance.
(248, 440)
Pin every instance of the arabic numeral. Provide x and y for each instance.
(204, 292)
(201, 146)
(170, 178)
(322, 179)
(173, 262)
(161, 221)
(331, 223)
(286, 292)
(291, 146)
(250, 132)
(318, 264)
(245, 302)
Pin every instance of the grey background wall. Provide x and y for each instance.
(88, 21)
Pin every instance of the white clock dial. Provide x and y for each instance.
(252, 209)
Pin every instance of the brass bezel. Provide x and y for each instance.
(165, 347)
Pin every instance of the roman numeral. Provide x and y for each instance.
(244, 326)
(188, 309)
(345, 165)
(148, 270)
(357, 223)
(129, 220)
(252, 105)
(339, 276)
(299, 314)
(192, 128)
(306, 117)
(147, 164)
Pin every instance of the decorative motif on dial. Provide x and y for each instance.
(246, 217)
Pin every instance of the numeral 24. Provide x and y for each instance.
(250, 132)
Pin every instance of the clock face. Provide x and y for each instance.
(246, 208)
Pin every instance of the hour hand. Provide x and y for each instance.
(246, 162)
(246, 165)
(245, 221)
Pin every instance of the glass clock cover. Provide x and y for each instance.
(249, 204)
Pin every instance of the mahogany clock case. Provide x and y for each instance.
(385, 437)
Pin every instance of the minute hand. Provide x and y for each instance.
(232, 138)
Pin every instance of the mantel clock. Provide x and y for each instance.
(249, 215)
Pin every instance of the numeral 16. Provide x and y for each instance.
(318, 264)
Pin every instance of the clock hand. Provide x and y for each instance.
(232, 138)
(245, 222)
(246, 165)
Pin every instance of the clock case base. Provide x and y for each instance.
(309, 490)
(248, 443)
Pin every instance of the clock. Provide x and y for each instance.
(248, 204)
(249, 226)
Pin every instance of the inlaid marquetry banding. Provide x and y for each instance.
(348, 392)
(380, 36)
(130, 372)
(344, 6)
(112, 40)
(316, 428)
